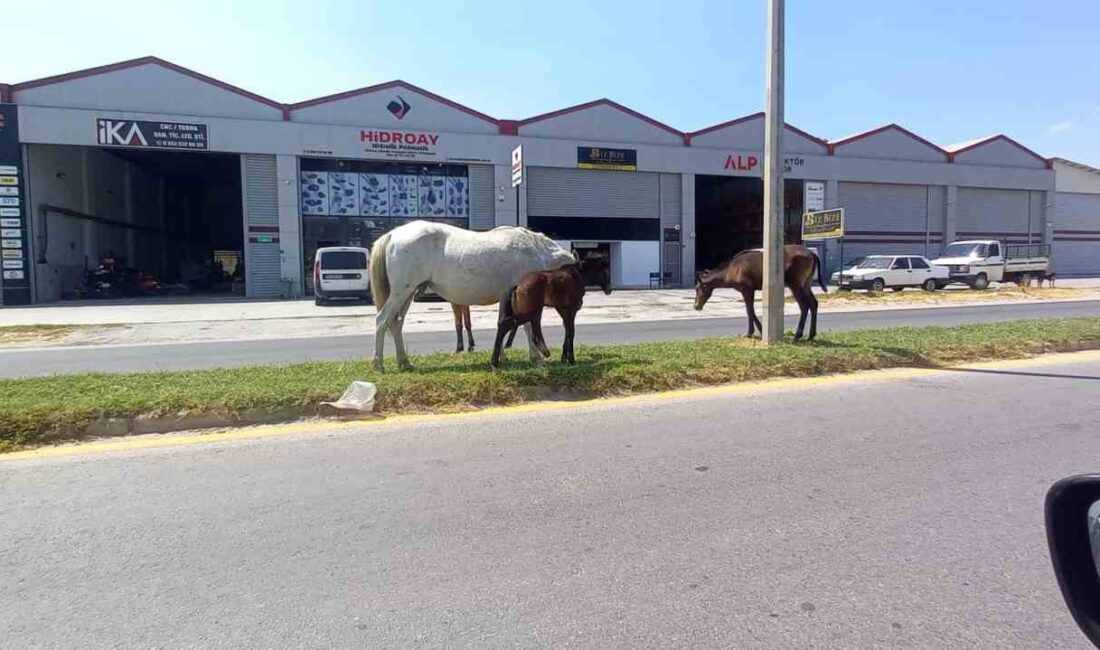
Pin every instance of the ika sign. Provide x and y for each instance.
(151, 135)
(623, 160)
(400, 144)
(517, 165)
(826, 224)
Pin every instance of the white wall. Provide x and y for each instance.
(369, 109)
(601, 122)
(999, 153)
(633, 261)
(148, 88)
(1074, 179)
(891, 144)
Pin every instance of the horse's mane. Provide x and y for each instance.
(725, 265)
(538, 241)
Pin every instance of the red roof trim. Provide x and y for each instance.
(5, 93)
(981, 143)
(397, 83)
(888, 127)
(145, 60)
(601, 102)
(717, 127)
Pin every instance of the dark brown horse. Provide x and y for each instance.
(462, 316)
(562, 289)
(745, 272)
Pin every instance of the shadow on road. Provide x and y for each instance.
(1020, 373)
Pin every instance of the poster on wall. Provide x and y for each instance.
(374, 191)
(433, 196)
(315, 194)
(344, 190)
(458, 197)
(404, 195)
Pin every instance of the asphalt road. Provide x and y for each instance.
(789, 517)
(211, 354)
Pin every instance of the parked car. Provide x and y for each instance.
(341, 272)
(850, 264)
(978, 262)
(877, 272)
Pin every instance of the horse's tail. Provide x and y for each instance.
(379, 279)
(820, 274)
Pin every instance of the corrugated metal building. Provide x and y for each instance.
(171, 170)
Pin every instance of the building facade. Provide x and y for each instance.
(169, 169)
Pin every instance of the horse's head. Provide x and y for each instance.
(596, 270)
(705, 284)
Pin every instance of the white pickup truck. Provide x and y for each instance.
(977, 262)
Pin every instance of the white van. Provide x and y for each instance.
(340, 272)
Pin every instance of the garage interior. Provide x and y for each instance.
(729, 216)
(145, 223)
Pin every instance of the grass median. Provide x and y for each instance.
(41, 410)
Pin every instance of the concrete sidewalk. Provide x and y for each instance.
(179, 320)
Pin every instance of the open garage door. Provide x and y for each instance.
(124, 223)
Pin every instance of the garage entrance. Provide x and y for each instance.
(119, 223)
(729, 216)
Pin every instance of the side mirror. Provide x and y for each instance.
(1073, 533)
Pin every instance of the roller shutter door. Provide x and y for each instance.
(1076, 249)
(482, 206)
(559, 192)
(1008, 215)
(884, 218)
(261, 215)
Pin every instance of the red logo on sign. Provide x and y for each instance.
(743, 163)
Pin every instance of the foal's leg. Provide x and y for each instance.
(469, 327)
(749, 296)
(511, 337)
(536, 329)
(457, 311)
(812, 299)
(568, 319)
(803, 308)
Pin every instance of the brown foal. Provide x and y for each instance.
(745, 273)
(562, 289)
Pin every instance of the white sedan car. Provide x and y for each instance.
(877, 272)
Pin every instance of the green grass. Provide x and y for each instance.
(40, 410)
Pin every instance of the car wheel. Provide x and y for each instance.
(930, 285)
(981, 282)
(878, 285)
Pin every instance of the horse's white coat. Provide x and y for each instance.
(464, 267)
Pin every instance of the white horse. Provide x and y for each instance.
(464, 267)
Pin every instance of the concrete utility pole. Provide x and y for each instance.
(773, 178)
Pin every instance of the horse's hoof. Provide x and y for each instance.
(405, 365)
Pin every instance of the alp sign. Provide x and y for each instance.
(152, 135)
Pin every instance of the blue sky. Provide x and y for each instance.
(950, 70)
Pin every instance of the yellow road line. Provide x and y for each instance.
(258, 432)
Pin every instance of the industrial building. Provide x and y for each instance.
(209, 187)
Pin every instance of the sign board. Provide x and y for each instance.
(815, 196)
(826, 224)
(622, 160)
(13, 240)
(517, 165)
(405, 145)
(150, 135)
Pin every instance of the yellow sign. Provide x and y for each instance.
(826, 224)
(9, 180)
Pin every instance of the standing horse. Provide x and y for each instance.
(462, 315)
(464, 267)
(745, 272)
(562, 289)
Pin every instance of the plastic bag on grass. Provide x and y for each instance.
(358, 397)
